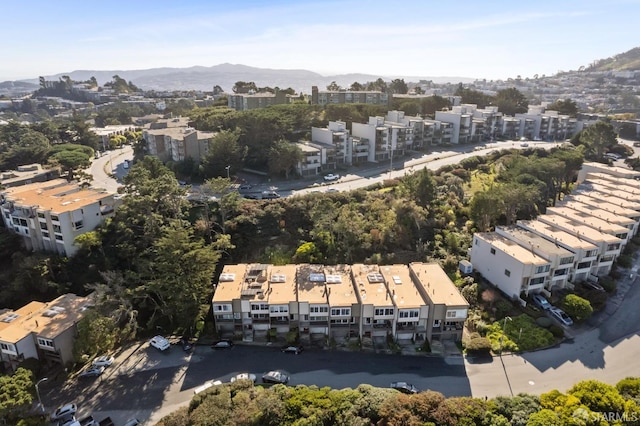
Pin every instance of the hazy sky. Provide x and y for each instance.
(480, 39)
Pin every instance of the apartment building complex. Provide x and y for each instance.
(260, 301)
(578, 240)
(50, 215)
(248, 101)
(371, 97)
(177, 143)
(44, 331)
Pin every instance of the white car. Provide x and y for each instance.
(331, 177)
(561, 316)
(244, 376)
(206, 386)
(103, 361)
(160, 343)
(67, 410)
(92, 372)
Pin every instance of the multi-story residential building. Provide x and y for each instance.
(29, 173)
(539, 124)
(326, 97)
(630, 178)
(560, 259)
(50, 215)
(248, 101)
(585, 252)
(447, 308)
(513, 269)
(609, 246)
(416, 124)
(260, 301)
(603, 214)
(491, 122)
(386, 140)
(377, 309)
(594, 222)
(510, 127)
(597, 205)
(460, 118)
(311, 163)
(411, 309)
(604, 195)
(44, 331)
(337, 135)
(177, 143)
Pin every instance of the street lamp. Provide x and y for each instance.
(227, 169)
(38, 392)
(504, 326)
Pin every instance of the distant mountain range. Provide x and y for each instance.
(226, 75)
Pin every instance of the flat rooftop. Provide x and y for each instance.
(340, 286)
(513, 249)
(587, 219)
(437, 285)
(282, 284)
(607, 197)
(527, 239)
(604, 205)
(230, 283)
(579, 229)
(403, 291)
(555, 234)
(370, 285)
(599, 212)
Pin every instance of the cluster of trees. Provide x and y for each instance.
(509, 101)
(394, 86)
(69, 143)
(250, 86)
(242, 403)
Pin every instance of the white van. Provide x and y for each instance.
(125, 165)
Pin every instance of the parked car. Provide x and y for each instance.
(636, 144)
(524, 145)
(541, 302)
(222, 344)
(592, 285)
(92, 372)
(160, 343)
(331, 177)
(275, 376)
(270, 195)
(243, 376)
(245, 187)
(251, 196)
(292, 349)
(103, 361)
(404, 387)
(561, 316)
(66, 410)
(206, 386)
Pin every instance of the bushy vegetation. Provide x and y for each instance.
(521, 333)
(577, 307)
(242, 403)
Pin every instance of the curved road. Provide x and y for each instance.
(111, 162)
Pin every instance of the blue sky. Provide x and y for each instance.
(490, 39)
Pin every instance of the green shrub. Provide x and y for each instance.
(608, 283)
(478, 346)
(576, 307)
(557, 331)
(624, 261)
(544, 322)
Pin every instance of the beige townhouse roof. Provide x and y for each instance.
(604, 205)
(600, 213)
(370, 285)
(50, 320)
(340, 286)
(588, 219)
(579, 229)
(554, 233)
(528, 239)
(230, 283)
(604, 194)
(282, 284)
(404, 293)
(437, 285)
(311, 284)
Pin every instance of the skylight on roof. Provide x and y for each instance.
(334, 279)
(316, 278)
(278, 278)
(375, 277)
(227, 277)
(9, 317)
(396, 279)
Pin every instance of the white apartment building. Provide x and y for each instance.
(417, 125)
(596, 205)
(512, 268)
(594, 222)
(560, 259)
(603, 214)
(337, 135)
(609, 246)
(312, 160)
(50, 215)
(585, 253)
(460, 118)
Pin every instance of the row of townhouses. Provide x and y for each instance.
(50, 215)
(576, 241)
(416, 301)
(44, 331)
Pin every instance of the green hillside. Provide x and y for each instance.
(627, 61)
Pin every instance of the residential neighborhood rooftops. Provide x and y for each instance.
(603, 205)
(619, 185)
(556, 234)
(49, 320)
(579, 229)
(231, 283)
(370, 285)
(437, 285)
(604, 194)
(59, 198)
(512, 248)
(403, 290)
(588, 219)
(531, 239)
(282, 284)
(625, 181)
(600, 213)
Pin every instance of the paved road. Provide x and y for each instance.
(111, 162)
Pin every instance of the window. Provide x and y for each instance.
(278, 308)
(7, 347)
(55, 217)
(56, 228)
(15, 221)
(260, 307)
(318, 309)
(43, 225)
(436, 323)
(78, 225)
(612, 247)
(317, 318)
(583, 265)
(222, 307)
(507, 272)
(384, 311)
(559, 272)
(451, 314)
(41, 215)
(592, 253)
(536, 281)
(493, 251)
(23, 222)
(59, 237)
(566, 260)
(342, 312)
(409, 314)
(542, 269)
(45, 343)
